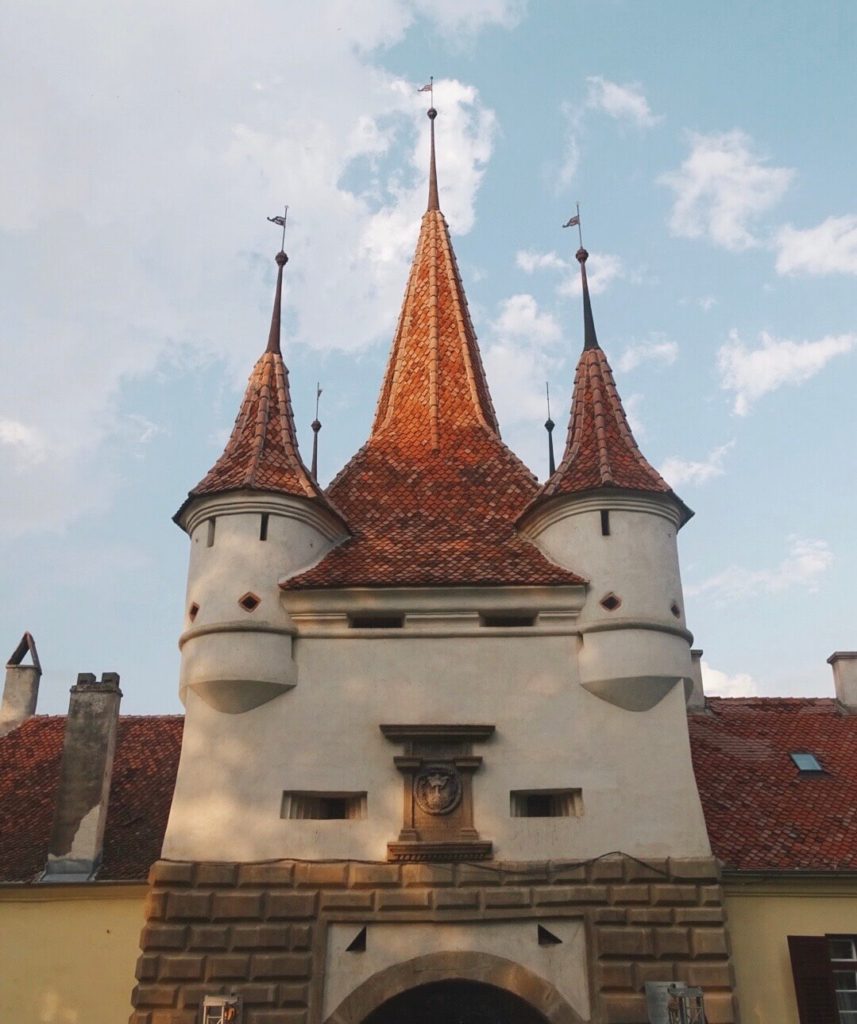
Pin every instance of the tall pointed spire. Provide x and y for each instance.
(262, 451)
(600, 450)
(435, 383)
(432, 498)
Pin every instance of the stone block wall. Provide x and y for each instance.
(259, 930)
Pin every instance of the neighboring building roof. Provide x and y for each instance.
(762, 812)
(600, 450)
(262, 452)
(144, 775)
(433, 496)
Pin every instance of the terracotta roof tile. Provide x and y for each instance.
(600, 450)
(262, 451)
(144, 774)
(762, 813)
(432, 497)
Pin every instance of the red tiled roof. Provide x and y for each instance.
(600, 449)
(144, 775)
(432, 497)
(762, 813)
(262, 452)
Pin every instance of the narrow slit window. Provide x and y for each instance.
(605, 522)
(546, 803)
(193, 611)
(376, 621)
(209, 540)
(610, 602)
(263, 527)
(509, 621)
(308, 805)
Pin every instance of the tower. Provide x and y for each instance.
(423, 781)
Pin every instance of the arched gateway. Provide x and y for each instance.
(455, 1002)
(455, 988)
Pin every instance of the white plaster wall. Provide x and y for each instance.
(256, 646)
(634, 768)
(638, 561)
(562, 964)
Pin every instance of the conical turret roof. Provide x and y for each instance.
(433, 496)
(600, 450)
(262, 451)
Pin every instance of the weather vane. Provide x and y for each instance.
(429, 88)
(573, 222)
(281, 222)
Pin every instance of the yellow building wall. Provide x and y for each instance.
(68, 953)
(762, 914)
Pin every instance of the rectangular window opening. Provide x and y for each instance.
(507, 621)
(376, 621)
(263, 527)
(306, 805)
(546, 803)
(605, 522)
(209, 540)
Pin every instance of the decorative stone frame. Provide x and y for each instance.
(446, 833)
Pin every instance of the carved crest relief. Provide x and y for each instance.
(437, 789)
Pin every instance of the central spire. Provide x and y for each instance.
(435, 383)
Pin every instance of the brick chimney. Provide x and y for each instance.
(74, 853)
(844, 664)
(21, 690)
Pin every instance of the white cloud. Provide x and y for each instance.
(656, 350)
(159, 184)
(602, 269)
(806, 562)
(632, 406)
(23, 442)
(529, 261)
(707, 303)
(521, 352)
(719, 684)
(454, 17)
(751, 373)
(678, 471)
(722, 189)
(828, 248)
(622, 102)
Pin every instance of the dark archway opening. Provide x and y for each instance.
(455, 1002)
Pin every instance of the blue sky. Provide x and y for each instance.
(711, 148)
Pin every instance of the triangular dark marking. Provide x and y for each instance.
(547, 938)
(358, 943)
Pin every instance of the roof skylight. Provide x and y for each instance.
(806, 762)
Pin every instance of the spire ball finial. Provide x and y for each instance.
(431, 113)
(581, 255)
(281, 258)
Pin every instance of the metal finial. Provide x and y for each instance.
(282, 259)
(316, 426)
(549, 425)
(590, 339)
(431, 113)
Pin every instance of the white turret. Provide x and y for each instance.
(257, 517)
(609, 515)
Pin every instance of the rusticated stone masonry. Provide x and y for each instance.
(260, 929)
